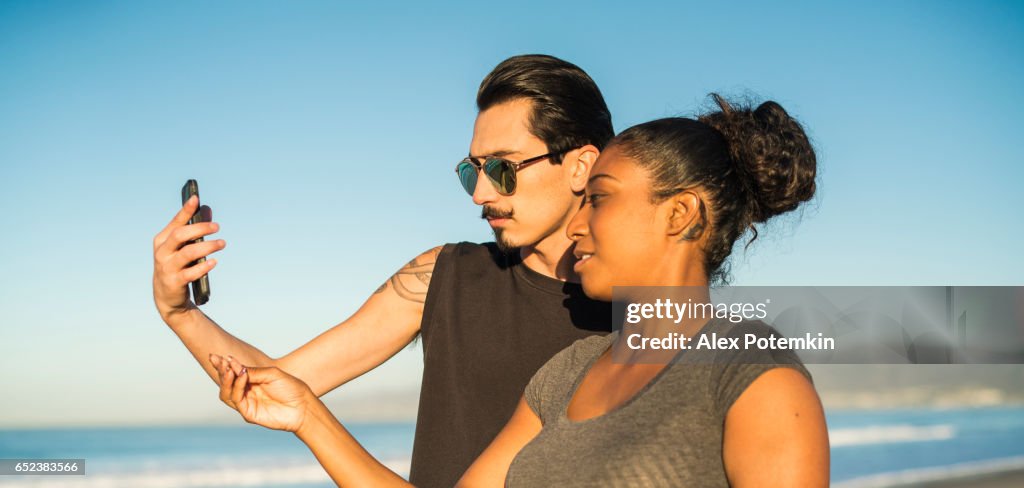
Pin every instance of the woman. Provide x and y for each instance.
(665, 203)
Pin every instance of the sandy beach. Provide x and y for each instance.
(1009, 479)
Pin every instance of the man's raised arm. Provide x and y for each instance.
(386, 322)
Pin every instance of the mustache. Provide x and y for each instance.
(493, 213)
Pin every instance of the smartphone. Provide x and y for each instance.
(200, 287)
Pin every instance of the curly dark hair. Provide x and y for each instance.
(752, 163)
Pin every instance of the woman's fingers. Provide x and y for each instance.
(282, 399)
(227, 378)
(264, 375)
(219, 363)
(237, 382)
(233, 380)
(235, 365)
(238, 389)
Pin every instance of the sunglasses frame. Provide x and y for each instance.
(480, 162)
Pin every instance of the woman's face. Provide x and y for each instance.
(622, 238)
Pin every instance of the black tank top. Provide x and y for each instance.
(489, 322)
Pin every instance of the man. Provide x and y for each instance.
(490, 315)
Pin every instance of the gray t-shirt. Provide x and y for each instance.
(669, 434)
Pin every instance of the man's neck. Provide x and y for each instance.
(551, 257)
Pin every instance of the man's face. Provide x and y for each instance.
(542, 202)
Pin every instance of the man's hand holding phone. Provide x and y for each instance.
(175, 256)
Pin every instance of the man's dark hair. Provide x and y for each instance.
(568, 109)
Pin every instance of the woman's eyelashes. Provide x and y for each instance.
(592, 199)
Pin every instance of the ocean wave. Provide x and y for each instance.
(234, 476)
(938, 473)
(887, 434)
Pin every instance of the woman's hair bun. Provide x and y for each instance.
(771, 153)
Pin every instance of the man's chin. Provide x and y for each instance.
(504, 241)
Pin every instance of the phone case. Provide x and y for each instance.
(200, 287)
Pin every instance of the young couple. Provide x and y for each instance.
(519, 385)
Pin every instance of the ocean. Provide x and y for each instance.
(869, 449)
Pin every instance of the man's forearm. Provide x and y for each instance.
(202, 336)
(341, 455)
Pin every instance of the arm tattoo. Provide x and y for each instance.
(412, 281)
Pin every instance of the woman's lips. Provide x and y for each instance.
(584, 257)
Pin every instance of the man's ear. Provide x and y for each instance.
(578, 164)
(686, 215)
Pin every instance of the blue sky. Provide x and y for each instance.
(324, 135)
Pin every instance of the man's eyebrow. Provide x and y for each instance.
(498, 154)
(601, 175)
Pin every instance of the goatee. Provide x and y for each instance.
(505, 245)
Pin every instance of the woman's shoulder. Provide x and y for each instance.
(758, 351)
(558, 374)
(569, 362)
(587, 348)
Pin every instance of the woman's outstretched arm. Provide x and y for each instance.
(274, 399)
(345, 460)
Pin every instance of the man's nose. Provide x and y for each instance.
(484, 191)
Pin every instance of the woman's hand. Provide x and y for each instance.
(272, 398)
(265, 396)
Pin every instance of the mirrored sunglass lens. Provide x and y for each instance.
(467, 176)
(502, 174)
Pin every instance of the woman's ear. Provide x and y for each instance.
(686, 215)
(578, 164)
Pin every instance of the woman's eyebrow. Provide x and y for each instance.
(601, 175)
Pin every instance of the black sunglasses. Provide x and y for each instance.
(500, 171)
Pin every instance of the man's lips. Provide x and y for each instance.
(496, 217)
(497, 221)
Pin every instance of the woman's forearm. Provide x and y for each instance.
(345, 460)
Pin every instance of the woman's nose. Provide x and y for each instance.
(577, 227)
